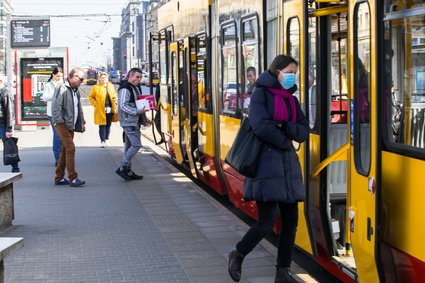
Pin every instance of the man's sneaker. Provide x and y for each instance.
(123, 174)
(16, 171)
(77, 183)
(62, 182)
(134, 176)
(102, 144)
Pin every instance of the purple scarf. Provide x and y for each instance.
(280, 108)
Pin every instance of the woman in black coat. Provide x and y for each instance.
(277, 119)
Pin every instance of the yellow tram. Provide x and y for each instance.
(361, 84)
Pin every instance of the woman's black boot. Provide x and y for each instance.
(235, 265)
(283, 276)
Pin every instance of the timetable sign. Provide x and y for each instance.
(30, 33)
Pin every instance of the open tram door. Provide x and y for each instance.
(342, 199)
(153, 45)
(178, 100)
(364, 153)
(158, 52)
(191, 119)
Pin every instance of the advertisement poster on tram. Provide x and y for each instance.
(35, 73)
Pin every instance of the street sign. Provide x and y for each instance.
(30, 33)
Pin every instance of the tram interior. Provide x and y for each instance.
(337, 129)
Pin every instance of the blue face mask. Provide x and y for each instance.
(288, 80)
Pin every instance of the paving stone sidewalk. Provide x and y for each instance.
(160, 229)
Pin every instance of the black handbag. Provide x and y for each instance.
(244, 153)
(10, 151)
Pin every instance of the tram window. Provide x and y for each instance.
(294, 44)
(174, 77)
(181, 78)
(163, 62)
(405, 81)
(338, 80)
(193, 79)
(362, 102)
(397, 5)
(204, 98)
(229, 70)
(313, 91)
(250, 59)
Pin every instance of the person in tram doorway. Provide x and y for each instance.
(55, 80)
(277, 119)
(7, 115)
(68, 117)
(103, 97)
(130, 120)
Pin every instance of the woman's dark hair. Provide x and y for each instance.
(54, 72)
(279, 63)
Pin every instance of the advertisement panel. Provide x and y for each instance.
(35, 73)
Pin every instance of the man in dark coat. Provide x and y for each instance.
(7, 115)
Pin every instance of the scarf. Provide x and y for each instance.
(280, 108)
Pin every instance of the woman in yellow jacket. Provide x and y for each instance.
(103, 97)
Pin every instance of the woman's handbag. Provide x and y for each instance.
(10, 151)
(244, 154)
(115, 117)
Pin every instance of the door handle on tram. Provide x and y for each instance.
(340, 154)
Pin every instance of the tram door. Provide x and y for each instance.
(294, 22)
(327, 111)
(363, 139)
(191, 118)
(178, 100)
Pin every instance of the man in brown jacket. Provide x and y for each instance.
(67, 115)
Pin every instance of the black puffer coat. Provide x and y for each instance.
(279, 176)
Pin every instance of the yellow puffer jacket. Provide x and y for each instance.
(97, 99)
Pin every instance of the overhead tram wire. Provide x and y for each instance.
(69, 16)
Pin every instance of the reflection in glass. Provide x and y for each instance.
(163, 62)
(174, 94)
(312, 90)
(339, 93)
(294, 49)
(405, 95)
(362, 85)
(201, 61)
(229, 71)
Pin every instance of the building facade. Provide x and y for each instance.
(6, 11)
(138, 19)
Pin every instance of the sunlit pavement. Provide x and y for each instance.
(160, 229)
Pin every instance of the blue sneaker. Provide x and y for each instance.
(62, 182)
(77, 183)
